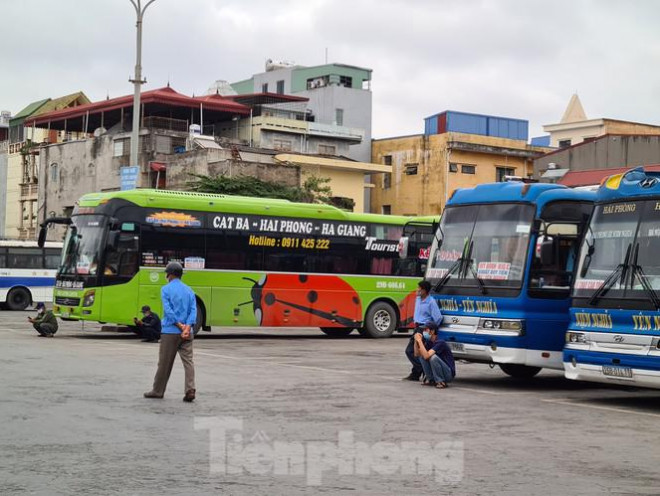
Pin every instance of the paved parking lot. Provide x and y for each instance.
(293, 412)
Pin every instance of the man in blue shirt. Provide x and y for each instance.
(435, 357)
(179, 315)
(426, 312)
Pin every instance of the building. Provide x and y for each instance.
(19, 166)
(172, 147)
(604, 152)
(575, 127)
(457, 150)
(593, 177)
(339, 99)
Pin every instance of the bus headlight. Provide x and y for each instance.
(575, 337)
(502, 325)
(88, 299)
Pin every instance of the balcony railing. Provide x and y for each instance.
(155, 122)
(29, 190)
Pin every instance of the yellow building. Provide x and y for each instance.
(427, 168)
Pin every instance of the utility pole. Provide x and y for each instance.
(137, 80)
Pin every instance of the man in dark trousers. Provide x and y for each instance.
(148, 327)
(426, 312)
(45, 323)
(179, 315)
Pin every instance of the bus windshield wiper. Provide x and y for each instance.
(638, 272)
(458, 263)
(619, 272)
(482, 286)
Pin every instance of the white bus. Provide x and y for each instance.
(27, 272)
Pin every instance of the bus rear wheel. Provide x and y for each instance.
(337, 332)
(519, 371)
(199, 319)
(381, 320)
(18, 299)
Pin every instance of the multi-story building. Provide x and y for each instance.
(457, 150)
(19, 171)
(173, 148)
(339, 101)
(574, 127)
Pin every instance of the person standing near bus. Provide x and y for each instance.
(179, 315)
(45, 323)
(426, 312)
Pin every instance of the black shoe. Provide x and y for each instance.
(411, 377)
(147, 340)
(190, 396)
(151, 394)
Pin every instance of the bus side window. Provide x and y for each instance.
(52, 258)
(25, 258)
(124, 261)
(3, 258)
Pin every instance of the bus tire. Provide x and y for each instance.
(200, 319)
(337, 332)
(519, 371)
(381, 320)
(18, 299)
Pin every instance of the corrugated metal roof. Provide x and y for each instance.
(592, 177)
(72, 100)
(28, 111)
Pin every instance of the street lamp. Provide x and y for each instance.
(137, 80)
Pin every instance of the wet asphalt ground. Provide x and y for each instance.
(295, 412)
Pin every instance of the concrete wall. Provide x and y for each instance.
(425, 193)
(577, 132)
(272, 77)
(604, 153)
(3, 190)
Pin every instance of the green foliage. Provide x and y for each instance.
(314, 189)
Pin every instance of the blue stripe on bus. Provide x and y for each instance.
(35, 282)
(601, 358)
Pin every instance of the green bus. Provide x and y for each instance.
(252, 262)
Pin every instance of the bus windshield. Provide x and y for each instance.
(82, 246)
(619, 253)
(481, 245)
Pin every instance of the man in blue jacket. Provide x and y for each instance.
(179, 315)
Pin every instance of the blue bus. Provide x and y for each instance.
(501, 268)
(614, 332)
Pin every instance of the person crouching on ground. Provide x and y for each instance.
(435, 357)
(148, 328)
(45, 323)
(179, 315)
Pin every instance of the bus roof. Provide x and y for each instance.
(15, 243)
(633, 183)
(518, 192)
(206, 202)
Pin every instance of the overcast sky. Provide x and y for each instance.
(517, 58)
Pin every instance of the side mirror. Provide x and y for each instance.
(547, 252)
(587, 261)
(113, 240)
(43, 232)
(403, 247)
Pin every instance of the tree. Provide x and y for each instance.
(314, 189)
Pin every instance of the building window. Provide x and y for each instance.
(264, 88)
(318, 82)
(53, 172)
(346, 81)
(564, 143)
(282, 145)
(502, 172)
(386, 209)
(339, 116)
(387, 159)
(121, 147)
(468, 169)
(280, 87)
(387, 180)
(411, 169)
(327, 150)
(453, 167)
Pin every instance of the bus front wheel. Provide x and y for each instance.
(18, 299)
(337, 332)
(381, 320)
(519, 371)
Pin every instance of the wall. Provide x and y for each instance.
(302, 74)
(3, 190)
(425, 193)
(272, 77)
(577, 132)
(604, 153)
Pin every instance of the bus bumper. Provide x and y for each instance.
(492, 353)
(644, 371)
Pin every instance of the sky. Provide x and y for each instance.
(514, 58)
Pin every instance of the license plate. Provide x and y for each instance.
(617, 371)
(456, 346)
(65, 315)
